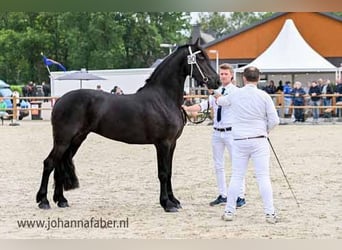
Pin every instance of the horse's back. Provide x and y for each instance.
(136, 118)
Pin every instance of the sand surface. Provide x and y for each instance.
(119, 182)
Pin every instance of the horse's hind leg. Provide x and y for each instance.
(69, 170)
(58, 196)
(49, 165)
(41, 196)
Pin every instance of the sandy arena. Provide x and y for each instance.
(119, 182)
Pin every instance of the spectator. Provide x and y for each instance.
(280, 86)
(315, 93)
(116, 91)
(3, 108)
(338, 91)
(326, 89)
(271, 90)
(188, 102)
(287, 98)
(99, 87)
(46, 90)
(298, 94)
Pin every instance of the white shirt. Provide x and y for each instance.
(226, 116)
(252, 110)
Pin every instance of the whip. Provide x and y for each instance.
(288, 183)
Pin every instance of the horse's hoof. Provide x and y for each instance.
(171, 210)
(179, 205)
(62, 204)
(44, 205)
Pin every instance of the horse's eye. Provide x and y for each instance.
(201, 56)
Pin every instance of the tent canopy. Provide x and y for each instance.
(290, 53)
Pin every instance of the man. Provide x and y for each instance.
(254, 115)
(315, 92)
(222, 134)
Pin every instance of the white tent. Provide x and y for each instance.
(290, 53)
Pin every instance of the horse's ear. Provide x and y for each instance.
(197, 43)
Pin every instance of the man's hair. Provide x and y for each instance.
(251, 74)
(227, 66)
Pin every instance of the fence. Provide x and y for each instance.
(196, 96)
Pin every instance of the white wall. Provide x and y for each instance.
(129, 80)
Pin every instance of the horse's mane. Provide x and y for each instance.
(162, 66)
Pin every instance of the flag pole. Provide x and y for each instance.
(50, 76)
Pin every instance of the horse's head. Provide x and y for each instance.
(200, 67)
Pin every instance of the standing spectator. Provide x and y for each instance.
(287, 98)
(188, 102)
(46, 90)
(315, 93)
(3, 107)
(222, 134)
(326, 89)
(338, 91)
(116, 91)
(298, 94)
(99, 87)
(254, 116)
(280, 86)
(271, 90)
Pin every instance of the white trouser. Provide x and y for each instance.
(220, 141)
(258, 150)
(288, 102)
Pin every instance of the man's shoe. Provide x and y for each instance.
(271, 218)
(227, 216)
(240, 202)
(219, 200)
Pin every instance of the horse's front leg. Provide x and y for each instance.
(164, 175)
(169, 183)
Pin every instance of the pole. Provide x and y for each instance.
(217, 61)
(288, 183)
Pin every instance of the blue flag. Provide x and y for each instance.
(49, 62)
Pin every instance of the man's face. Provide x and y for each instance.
(225, 76)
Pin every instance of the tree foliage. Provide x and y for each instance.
(219, 24)
(91, 40)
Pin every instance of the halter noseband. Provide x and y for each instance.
(192, 61)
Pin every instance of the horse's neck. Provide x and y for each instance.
(170, 81)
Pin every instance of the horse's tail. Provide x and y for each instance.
(65, 172)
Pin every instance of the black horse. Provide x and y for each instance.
(153, 115)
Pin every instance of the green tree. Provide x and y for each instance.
(222, 23)
(92, 40)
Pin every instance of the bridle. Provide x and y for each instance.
(192, 61)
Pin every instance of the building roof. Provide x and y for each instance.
(259, 23)
(289, 52)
